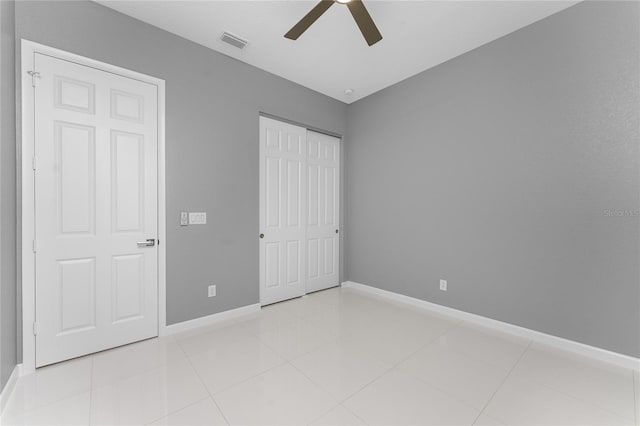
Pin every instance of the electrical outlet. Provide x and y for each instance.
(199, 218)
(184, 218)
(443, 285)
(211, 291)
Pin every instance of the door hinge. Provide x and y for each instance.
(34, 246)
(35, 328)
(33, 163)
(34, 77)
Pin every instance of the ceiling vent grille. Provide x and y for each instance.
(233, 40)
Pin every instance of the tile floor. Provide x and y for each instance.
(337, 357)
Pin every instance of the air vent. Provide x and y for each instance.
(233, 40)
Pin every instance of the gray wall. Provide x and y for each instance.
(495, 170)
(507, 156)
(7, 193)
(212, 109)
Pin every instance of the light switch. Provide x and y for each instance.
(197, 218)
(184, 218)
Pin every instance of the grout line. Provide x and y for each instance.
(219, 408)
(578, 398)
(388, 367)
(425, 345)
(205, 388)
(339, 402)
(620, 416)
(246, 379)
(91, 391)
(139, 372)
(636, 397)
(354, 414)
(324, 413)
(211, 395)
(503, 382)
(195, 402)
(179, 409)
(248, 336)
(464, 355)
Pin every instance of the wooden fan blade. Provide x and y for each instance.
(309, 19)
(365, 23)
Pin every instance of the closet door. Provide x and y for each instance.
(283, 155)
(323, 211)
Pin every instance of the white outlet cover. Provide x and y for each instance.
(443, 285)
(211, 291)
(197, 218)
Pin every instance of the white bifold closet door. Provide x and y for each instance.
(96, 144)
(299, 211)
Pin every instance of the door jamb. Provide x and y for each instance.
(26, 188)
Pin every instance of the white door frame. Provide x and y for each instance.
(26, 188)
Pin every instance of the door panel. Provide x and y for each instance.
(77, 287)
(75, 154)
(323, 170)
(282, 211)
(127, 182)
(127, 278)
(96, 198)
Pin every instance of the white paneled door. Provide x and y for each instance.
(323, 211)
(282, 210)
(299, 181)
(96, 210)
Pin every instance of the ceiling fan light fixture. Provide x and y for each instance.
(343, 1)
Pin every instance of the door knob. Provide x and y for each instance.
(261, 235)
(336, 231)
(150, 242)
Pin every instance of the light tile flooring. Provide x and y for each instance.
(336, 357)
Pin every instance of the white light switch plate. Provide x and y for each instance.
(184, 218)
(197, 218)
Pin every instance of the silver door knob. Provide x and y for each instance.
(261, 235)
(148, 243)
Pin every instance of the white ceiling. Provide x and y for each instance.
(332, 55)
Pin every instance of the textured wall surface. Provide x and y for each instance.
(511, 171)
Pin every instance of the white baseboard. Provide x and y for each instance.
(210, 319)
(9, 387)
(536, 336)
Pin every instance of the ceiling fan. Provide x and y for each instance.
(356, 7)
